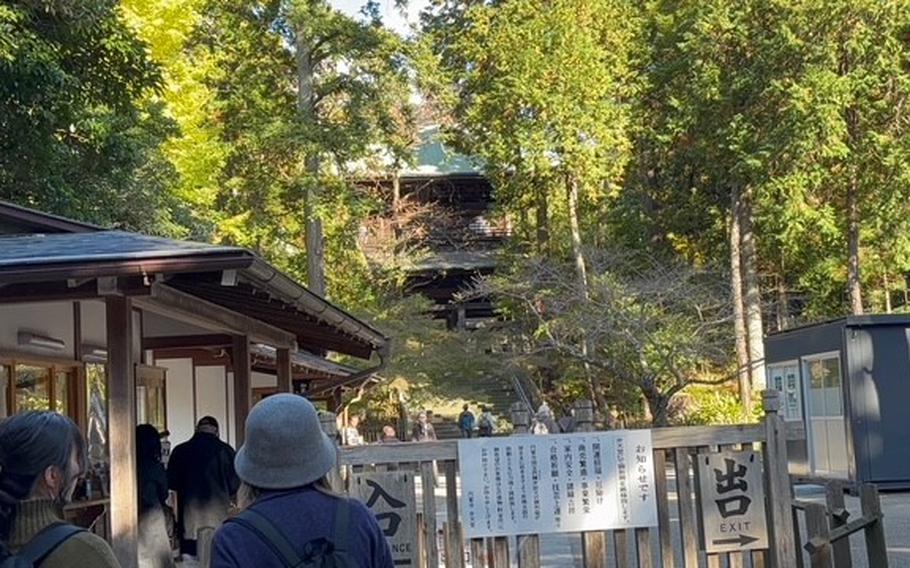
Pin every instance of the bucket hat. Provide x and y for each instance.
(285, 446)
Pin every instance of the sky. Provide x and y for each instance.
(391, 16)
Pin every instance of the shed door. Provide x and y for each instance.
(827, 427)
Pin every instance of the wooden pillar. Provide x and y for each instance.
(122, 426)
(283, 362)
(243, 394)
(783, 542)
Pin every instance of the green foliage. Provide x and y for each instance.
(277, 152)
(540, 95)
(75, 136)
(712, 406)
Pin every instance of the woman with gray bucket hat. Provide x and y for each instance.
(290, 516)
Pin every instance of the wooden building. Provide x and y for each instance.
(461, 240)
(115, 329)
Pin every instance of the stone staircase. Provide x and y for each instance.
(492, 392)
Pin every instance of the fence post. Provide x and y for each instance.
(834, 496)
(528, 545)
(876, 548)
(594, 543)
(783, 543)
(818, 536)
(329, 423)
(521, 418)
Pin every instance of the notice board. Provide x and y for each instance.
(557, 483)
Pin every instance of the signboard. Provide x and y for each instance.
(557, 483)
(732, 498)
(785, 378)
(390, 496)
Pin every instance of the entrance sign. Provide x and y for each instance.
(557, 483)
(391, 498)
(732, 501)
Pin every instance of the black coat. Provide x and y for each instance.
(201, 471)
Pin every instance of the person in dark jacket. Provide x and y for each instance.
(154, 545)
(283, 464)
(201, 472)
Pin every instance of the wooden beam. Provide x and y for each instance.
(187, 341)
(283, 363)
(173, 303)
(122, 426)
(243, 393)
(34, 292)
(200, 357)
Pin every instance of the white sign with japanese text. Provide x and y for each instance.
(732, 499)
(557, 483)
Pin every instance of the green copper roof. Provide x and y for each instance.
(435, 158)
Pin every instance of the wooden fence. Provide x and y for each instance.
(674, 448)
(829, 527)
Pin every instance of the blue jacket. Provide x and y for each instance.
(303, 515)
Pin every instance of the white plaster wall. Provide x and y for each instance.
(231, 437)
(212, 396)
(181, 420)
(157, 325)
(94, 323)
(51, 319)
(262, 380)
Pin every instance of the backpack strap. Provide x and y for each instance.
(46, 541)
(270, 535)
(342, 526)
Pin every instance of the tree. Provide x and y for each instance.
(653, 326)
(858, 88)
(302, 93)
(195, 149)
(541, 95)
(75, 136)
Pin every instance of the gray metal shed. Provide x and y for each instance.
(848, 380)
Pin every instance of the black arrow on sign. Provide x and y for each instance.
(741, 540)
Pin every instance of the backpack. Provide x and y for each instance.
(540, 428)
(41, 546)
(318, 553)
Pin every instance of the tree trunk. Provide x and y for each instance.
(306, 107)
(854, 282)
(594, 383)
(783, 302)
(580, 265)
(886, 284)
(543, 222)
(396, 207)
(752, 292)
(739, 314)
(659, 406)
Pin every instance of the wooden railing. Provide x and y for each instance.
(674, 448)
(828, 526)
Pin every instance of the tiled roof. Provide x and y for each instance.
(61, 248)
